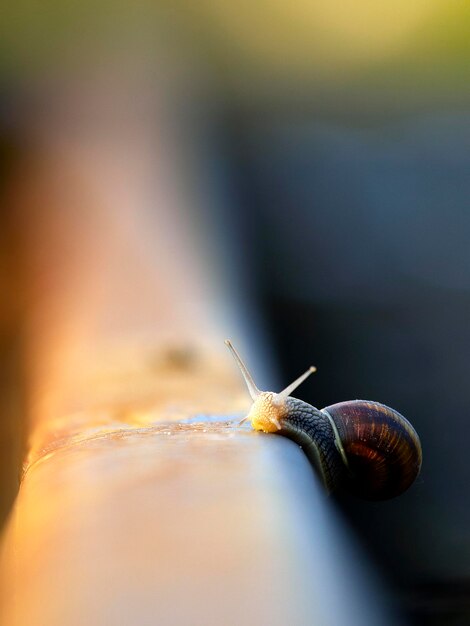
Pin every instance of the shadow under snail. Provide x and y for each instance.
(364, 446)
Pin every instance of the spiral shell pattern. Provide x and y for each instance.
(382, 448)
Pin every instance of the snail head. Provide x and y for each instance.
(268, 408)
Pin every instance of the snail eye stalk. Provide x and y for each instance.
(250, 383)
(293, 386)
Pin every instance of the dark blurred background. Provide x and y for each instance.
(362, 263)
(331, 145)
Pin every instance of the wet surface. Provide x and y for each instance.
(201, 522)
(208, 425)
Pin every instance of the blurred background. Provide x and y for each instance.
(298, 173)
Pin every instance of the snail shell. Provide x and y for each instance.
(364, 446)
(382, 448)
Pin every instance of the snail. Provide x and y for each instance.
(363, 446)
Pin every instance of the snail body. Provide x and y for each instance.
(363, 446)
